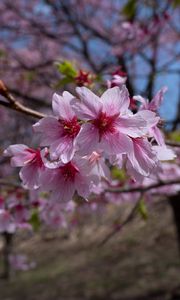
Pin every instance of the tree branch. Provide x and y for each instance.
(144, 189)
(172, 144)
(16, 105)
(118, 228)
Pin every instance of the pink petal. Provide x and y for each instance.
(63, 191)
(149, 116)
(117, 143)
(64, 148)
(115, 100)
(83, 186)
(143, 159)
(164, 153)
(89, 106)
(142, 100)
(50, 128)
(158, 99)
(134, 173)
(87, 139)
(19, 154)
(158, 135)
(47, 179)
(30, 176)
(15, 149)
(61, 106)
(133, 126)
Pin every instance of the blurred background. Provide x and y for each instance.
(55, 45)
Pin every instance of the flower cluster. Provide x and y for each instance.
(14, 213)
(85, 136)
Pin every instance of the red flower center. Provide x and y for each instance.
(36, 157)
(133, 104)
(83, 78)
(19, 207)
(105, 124)
(1, 201)
(71, 127)
(69, 171)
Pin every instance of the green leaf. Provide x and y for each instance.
(63, 81)
(118, 174)
(129, 9)
(98, 78)
(67, 69)
(142, 209)
(175, 136)
(35, 221)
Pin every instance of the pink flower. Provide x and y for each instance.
(7, 223)
(116, 80)
(2, 202)
(21, 214)
(167, 171)
(52, 215)
(155, 103)
(31, 162)
(20, 262)
(164, 153)
(67, 178)
(142, 161)
(153, 106)
(98, 166)
(109, 125)
(59, 131)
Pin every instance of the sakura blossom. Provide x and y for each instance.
(31, 162)
(94, 146)
(66, 179)
(14, 213)
(60, 131)
(83, 138)
(153, 106)
(7, 223)
(109, 126)
(19, 262)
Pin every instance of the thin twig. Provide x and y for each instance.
(172, 144)
(118, 228)
(15, 104)
(143, 189)
(10, 183)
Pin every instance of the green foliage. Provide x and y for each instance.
(67, 69)
(142, 209)
(175, 136)
(129, 9)
(98, 78)
(35, 221)
(118, 174)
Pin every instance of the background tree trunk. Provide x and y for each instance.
(174, 202)
(8, 238)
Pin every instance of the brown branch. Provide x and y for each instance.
(10, 183)
(118, 228)
(39, 102)
(144, 189)
(135, 208)
(7, 249)
(16, 105)
(173, 144)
